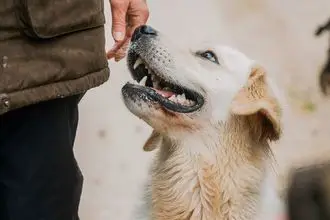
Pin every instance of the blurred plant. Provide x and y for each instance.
(309, 106)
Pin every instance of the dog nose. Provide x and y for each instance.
(143, 30)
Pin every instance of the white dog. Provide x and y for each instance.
(213, 112)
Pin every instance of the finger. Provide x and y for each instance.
(138, 15)
(119, 56)
(112, 52)
(121, 52)
(118, 11)
(136, 23)
(119, 48)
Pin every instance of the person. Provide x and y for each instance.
(51, 53)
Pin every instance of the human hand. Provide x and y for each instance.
(281, 217)
(126, 16)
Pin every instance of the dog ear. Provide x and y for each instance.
(154, 141)
(256, 101)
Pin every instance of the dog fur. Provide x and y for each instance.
(210, 163)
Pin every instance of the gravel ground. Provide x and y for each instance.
(278, 33)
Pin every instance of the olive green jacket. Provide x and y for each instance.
(50, 49)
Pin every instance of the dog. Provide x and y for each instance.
(308, 194)
(301, 188)
(307, 188)
(214, 113)
(307, 185)
(324, 79)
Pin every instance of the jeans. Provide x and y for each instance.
(39, 176)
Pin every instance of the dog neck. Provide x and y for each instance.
(214, 173)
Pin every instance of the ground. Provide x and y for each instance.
(278, 33)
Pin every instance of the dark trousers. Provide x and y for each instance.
(39, 176)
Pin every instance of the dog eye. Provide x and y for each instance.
(209, 55)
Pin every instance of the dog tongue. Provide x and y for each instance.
(164, 93)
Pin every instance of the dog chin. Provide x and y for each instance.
(140, 109)
(157, 117)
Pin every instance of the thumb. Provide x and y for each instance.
(118, 11)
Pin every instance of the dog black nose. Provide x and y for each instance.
(143, 30)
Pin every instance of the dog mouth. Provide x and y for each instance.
(159, 88)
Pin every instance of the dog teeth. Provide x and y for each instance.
(137, 63)
(173, 98)
(155, 82)
(183, 96)
(181, 99)
(143, 81)
(155, 85)
(133, 82)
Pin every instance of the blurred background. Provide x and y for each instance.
(278, 33)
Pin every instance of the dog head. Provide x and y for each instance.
(179, 91)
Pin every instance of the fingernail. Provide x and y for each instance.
(118, 36)
(110, 55)
(119, 56)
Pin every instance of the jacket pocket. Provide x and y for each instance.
(43, 19)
